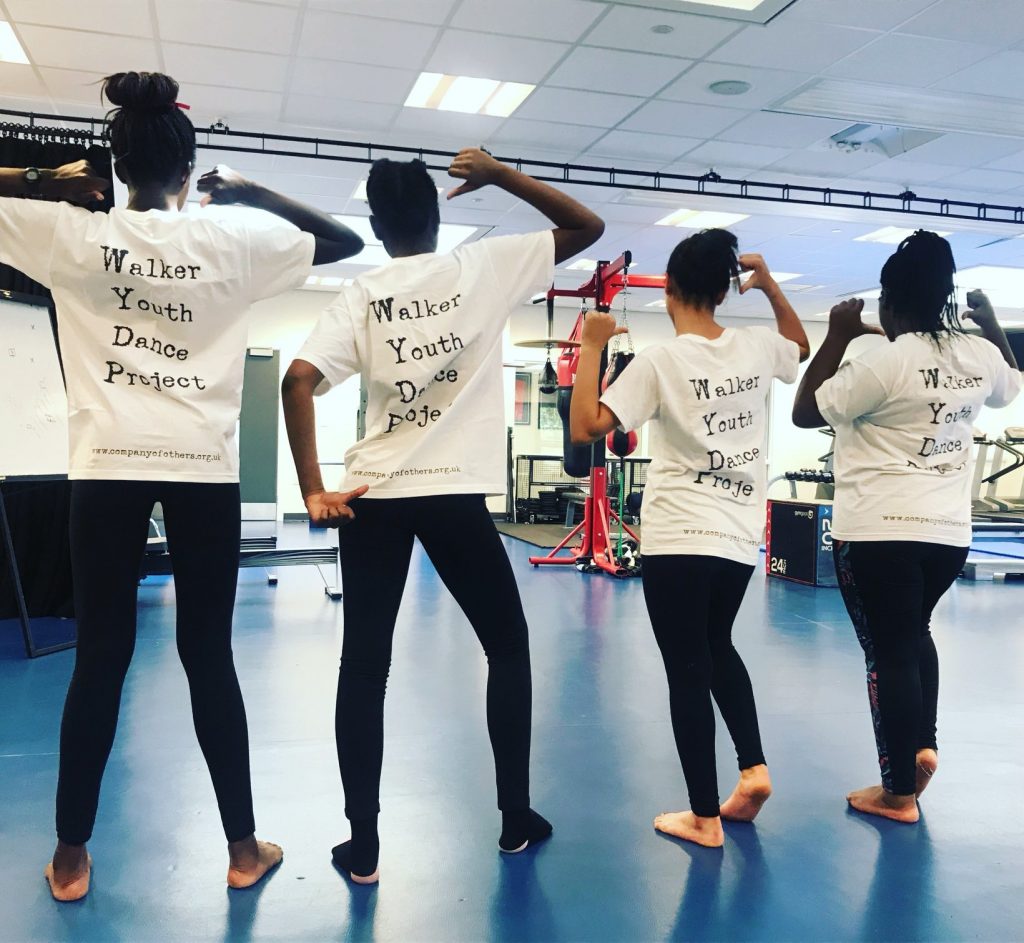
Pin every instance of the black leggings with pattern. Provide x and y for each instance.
(890, 589)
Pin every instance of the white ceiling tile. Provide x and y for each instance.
(18, 79)
(778, 130)
(240, 109)
(965, 150)
(228, 67)
(124, 17)
(65, 48)
(662, 117)
(993, 181)
(321, 77)
(720, 154)
(564, 20)
(72, 85)
(613, 70)
(878, 14)
(629, 144)
(692, 37)
(228, 23)
(551, 135)
(362, 39)
(337, 113)
(782, 43)
(824, 163)
(767, 85)
(1014, 163)
(916, 61)
(987, 21)
(485, 55)
(1001, 75)
(409, 11)
(906, 173)
(575, 107)
(459, 129)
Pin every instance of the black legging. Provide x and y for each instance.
(890, 589)
(692, 601)
(459, 536)
(109, 526)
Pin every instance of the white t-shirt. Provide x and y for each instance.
(151, 309)
(706, 398)
(903, 415)
(425, 333)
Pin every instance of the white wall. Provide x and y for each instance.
(284, 323)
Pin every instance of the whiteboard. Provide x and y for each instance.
(33, 403)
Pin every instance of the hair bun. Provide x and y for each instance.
(141, 91)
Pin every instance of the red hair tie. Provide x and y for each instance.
(183, 106)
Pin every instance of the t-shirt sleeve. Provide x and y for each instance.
(279, 260)
(27, 232)
(855, 391)
(331, 347)
(786, 357)
(633, 397)
(522, 265)
(1006, 382)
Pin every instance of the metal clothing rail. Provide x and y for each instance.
(709, 184)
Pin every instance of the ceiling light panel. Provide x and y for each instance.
(10, 48)
(467, 95)
(701, 219)
(907, 108)
(748, 11)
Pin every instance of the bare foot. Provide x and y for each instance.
(876, 801)
(927, 764)
(69, 872)
(751, 792)
(251, 860)
(690, 827)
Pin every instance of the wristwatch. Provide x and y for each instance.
(32, 177)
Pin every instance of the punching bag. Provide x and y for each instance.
(577, 459)
(619, 443)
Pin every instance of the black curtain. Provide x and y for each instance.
(38, 510)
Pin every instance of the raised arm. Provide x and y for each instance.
(334, 240)
(785, 317)
(589, 418)
(76, 182)
(327, 509)
(576, 227)
(983, 314)
(844, 324)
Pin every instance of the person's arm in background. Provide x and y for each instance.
(785, 317)
(844, 325)
(326, 508)
(589, 418)
(576, 227)
(983, 314)
(76, 182)
(334, 240)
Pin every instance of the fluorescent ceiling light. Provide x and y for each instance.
(467, 95)
(449, 236)
(326, 282)
(660, 303)
(359, 193)
(781, 277)
(1003, 285)
(746, 5)
(701, 219)
(583, 265)
(891, 235)
(10, 48)
(908, 108)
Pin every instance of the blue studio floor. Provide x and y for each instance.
(604, 765)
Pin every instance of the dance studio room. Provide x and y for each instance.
(511, 470)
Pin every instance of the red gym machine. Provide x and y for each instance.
(594, 552)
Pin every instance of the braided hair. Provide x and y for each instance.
(918, 287)
(152, 140)
(403, 200)
(702, 266)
